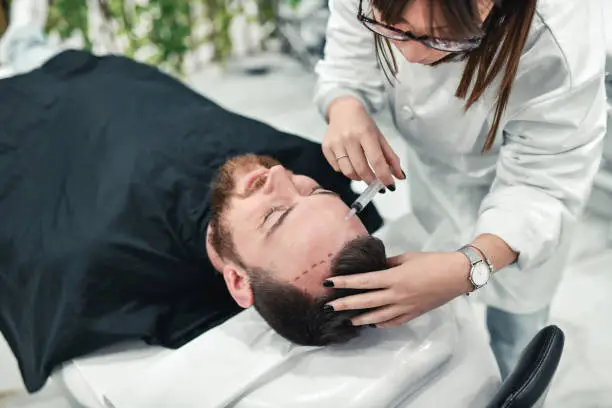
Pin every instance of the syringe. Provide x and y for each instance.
(365, 198)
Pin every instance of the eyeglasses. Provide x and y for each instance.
(435, 43)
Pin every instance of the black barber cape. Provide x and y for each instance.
(105, 166)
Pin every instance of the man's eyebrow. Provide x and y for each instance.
(327, 192)
(284, 215)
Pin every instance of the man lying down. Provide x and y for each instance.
(122, 191)
(120, 188)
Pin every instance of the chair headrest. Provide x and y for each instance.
(530, 380)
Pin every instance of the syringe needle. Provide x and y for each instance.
(350, 214)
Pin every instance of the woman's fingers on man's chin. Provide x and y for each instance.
(400, 259)
(398, 321)
(380, 315)
(368, 300)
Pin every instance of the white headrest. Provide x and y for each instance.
(5, 71)
(243, 363)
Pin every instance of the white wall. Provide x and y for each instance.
(608, 25)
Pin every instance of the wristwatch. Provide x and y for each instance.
(481, 269)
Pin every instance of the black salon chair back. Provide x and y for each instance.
(527, 385)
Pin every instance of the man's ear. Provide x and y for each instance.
(238, 284)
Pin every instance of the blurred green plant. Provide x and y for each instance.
(164, 30)
(68, 18)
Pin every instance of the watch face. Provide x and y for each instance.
(480, 274)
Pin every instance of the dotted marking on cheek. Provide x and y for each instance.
(329, 255)
(300, 275)
(314, 265)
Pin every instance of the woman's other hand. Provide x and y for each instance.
(415, 284)
(353, 142)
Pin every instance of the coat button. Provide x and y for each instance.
(408, 112)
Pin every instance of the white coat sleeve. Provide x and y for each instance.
(552, 147)
(349, 66)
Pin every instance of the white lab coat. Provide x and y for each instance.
(533, 186)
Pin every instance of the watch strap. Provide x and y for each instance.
(471, 254)
(485, 257)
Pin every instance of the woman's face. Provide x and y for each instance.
(417, 19)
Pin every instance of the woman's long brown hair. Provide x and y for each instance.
(506, 30)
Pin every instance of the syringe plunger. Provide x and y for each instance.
(365, 198)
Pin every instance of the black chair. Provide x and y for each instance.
(527, 385)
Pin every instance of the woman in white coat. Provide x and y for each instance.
(502, 104)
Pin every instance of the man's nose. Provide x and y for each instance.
(279, 180)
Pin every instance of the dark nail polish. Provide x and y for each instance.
(391, 187)
(403, 174)
(328, 284)
(382, 191)
(328, 308)
(372, 325)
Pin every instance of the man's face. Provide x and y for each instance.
(285, 223)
